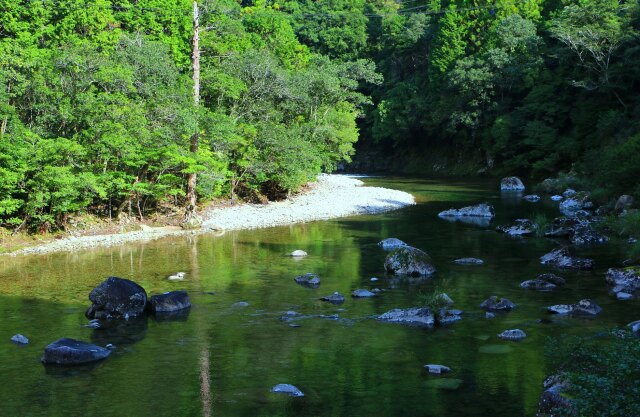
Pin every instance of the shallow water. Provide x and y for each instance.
(222, 359)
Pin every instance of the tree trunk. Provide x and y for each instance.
(191, 212)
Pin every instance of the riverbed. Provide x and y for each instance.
(223, 358)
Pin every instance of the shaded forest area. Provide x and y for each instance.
(97, 112)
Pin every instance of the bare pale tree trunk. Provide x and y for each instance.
(191, 217)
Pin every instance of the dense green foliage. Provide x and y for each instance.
(603, 374)
(96, 107)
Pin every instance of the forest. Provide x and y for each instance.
(98, 112)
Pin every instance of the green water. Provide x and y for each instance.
(222, 360)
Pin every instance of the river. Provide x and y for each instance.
(222, 360)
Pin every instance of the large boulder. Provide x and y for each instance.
(117, 298)
(73, 352)
(391, 243)
(409, 261)
(562, 259)
(495, 303)
(308, 280)
(479, 210)
(575, 203)
(418, 316)
(169, 302)
(624, 280)
(511, 184)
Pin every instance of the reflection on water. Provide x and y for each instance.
(222, 360)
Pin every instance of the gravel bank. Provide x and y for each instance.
(332, 196)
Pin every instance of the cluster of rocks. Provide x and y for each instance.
(479, 210)
(562, 259)
(115, 299)
(521, 227)
(625, 282)
(581, 308)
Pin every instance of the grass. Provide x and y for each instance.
(540, 224)
(434, 300)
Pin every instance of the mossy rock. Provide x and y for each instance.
(409, 261)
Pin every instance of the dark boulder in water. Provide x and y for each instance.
(494, 303)
(562, 259)
(419, 316)
(73, 352)
(169, 302)
(308, 280)
(117, 298)
(335, 298)
(511, 184)
(409, 261)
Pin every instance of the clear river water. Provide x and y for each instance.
(222, 359)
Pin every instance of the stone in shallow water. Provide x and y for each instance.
(532, 198)
(391, 243)
(560, 258)
(495, 303)
(335, 298)
(513, 334)
(522, 227)
(420, 316)
(73, 352)
(308, 280)
(360, 293)
(409, 261)
(584, 307)
(511, 184)
(537, 285)
(117, 298)
(19, 339)
(287, 389)
(468, 261)
(556, 197)
(240, 304)
(479, 210)
(444, 383)
(495, 349)
(298, 253)
(169, 302)
(437, 369)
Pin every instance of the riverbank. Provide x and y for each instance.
(331, 196)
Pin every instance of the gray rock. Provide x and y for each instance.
(468, 261)
(335, 298)
(169, 302)
(445, 317)
(586, 235)
(19, 339)
(287, 389)
(569, 192)
(556, 197)
(513, 334)
(409, 261)
(489, 315)
(584, 307)
(511, 184)
(625, 280)
(562, 259)
(373, 279)
(532, 198)
(308, 280)
(445, 299)
(494, 303)
(117, 298)
(552, 399)
(437, 369)
(298, 253)
(360, 293)
(575, 203)
(552, 278)
(624, 202)
(73, 352)
(624, 296)
(419, 316)
(537, 285)
(522, 227)
(240, 304)
(391, 243)
(635, 327)
(479, 210)
(560, 309)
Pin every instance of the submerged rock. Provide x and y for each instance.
(169, 302)
(511, 184)
(116, 298)
(360, 293)
(73, 352)
(513, 334)
(544, 282)
(19, 339)
(240, 304)
(437, 369)
(335, 298)
(468, 261)
(522, 227)
(556, 197)
(561, 258)
(298, 253)
(391, 243)
(308, 280)
(494, 303)
(419, 316)
(288, 389)
(584, 307)
(479, 210)
(409, 261)
(532, 198)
